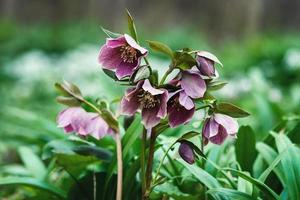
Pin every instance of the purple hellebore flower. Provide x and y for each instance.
(192, 83)
(180, 108)
(122, 54)
(218, 127)
(206, 62)
(76, 119)
(186, 152)
(151, 101)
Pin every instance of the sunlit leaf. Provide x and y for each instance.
(231, 110)
(161, 47)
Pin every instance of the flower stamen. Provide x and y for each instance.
(128, 53)
(147, 100)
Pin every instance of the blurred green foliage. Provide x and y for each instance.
(264, 73)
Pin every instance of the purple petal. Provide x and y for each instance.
(147, 87)
(193, 84)
(220, 137)
(205, 66)
(162, 112)
(109, 58)
(210, 128)
(67, 116)
(179, 115)
(227, 122)
(115, 42)
(149, 117)
(126, 69)
(209, 56)
(135, 45)
(186, 101)
(97, 127)
(186, 153)
(130, 103)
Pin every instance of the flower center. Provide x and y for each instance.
(147, 100)
(128, 53)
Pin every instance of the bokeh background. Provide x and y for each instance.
(45, 41)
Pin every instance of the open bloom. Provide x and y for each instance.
(76, 119)
(186, 152)
(122, 54)
(151, 101)
(218, 127)
(180, 108)
(206, 62)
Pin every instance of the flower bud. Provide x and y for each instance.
(186, 152)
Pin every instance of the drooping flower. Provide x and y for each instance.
(151, 101)
(192, 83)
(122, 54)
(218, 127)
(98, 127)
(206, 62)
(180, 108)
(76, 119)
(186, 152)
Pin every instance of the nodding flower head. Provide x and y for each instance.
(151, 101)
(218, 127)
(121, 54)
(186, 152)
(76, 119)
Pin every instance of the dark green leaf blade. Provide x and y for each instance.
(231, 110)
(245, 148)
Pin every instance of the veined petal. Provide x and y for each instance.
(220, 137)
(135, 45)
(126, 69)
(116, 42)
(162, 112)
(186, 101)
(109, 58)
(179, 115)
(193, 84)
(227, 122)
(148, 87)
(149, 117)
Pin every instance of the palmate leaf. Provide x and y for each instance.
(34, 183)
(228, 194)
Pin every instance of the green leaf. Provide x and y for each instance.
(98, 152)
(228, 194)
(34, 183)
(204, 177)
(110, 34)
(69, 90)
(245, 148)
(68, 101)
(189, 135)
(210, 56)
(110, 74)
(216, 85)
(183, 60)
(161, 47)
(171, 190)
(260, 185)
(272, 166)
(231, 110)
(141, 73)
(131, 26)
(290, 165)
(33, 163)
(269, 155)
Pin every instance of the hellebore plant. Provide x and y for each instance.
(163, 104)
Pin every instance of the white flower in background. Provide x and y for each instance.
(292, 59)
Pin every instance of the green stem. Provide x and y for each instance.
(204, 106)
(162, 161)
(150, 163)
(163, 79)
(142, 158)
